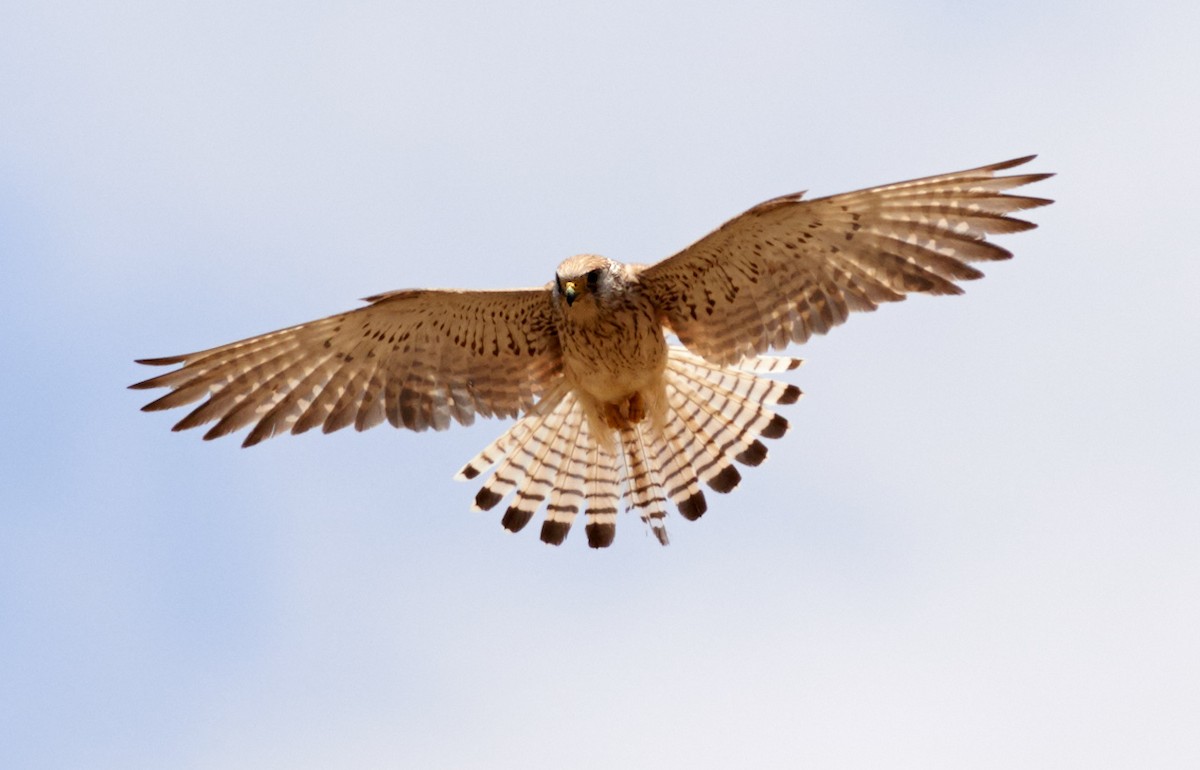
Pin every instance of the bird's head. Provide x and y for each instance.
(583, 283)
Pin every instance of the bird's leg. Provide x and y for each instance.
(626, 412)
(636, 407)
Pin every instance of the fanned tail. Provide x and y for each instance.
(714, 417)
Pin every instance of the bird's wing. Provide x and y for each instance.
(416, 358)
(789, 268)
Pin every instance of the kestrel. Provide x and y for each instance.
(610, 413)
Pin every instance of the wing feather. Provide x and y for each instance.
(419, 359)
(789, 268)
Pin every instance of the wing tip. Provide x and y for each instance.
(1013, 163)
(1023, 179)
(162, 361)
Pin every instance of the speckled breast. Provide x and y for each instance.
(621, 353)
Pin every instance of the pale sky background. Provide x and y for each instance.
(978, 547)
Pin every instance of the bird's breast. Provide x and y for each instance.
(620, 353)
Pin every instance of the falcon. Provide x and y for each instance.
(610, 415)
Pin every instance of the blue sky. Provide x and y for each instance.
(977, 547)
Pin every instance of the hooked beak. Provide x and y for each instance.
(569, 292)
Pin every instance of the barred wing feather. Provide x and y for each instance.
(789, 268)
(419, 359)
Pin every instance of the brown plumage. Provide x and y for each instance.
(609, 412)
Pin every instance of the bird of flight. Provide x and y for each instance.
(609, 412)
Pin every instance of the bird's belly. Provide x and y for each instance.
(611, 364)
(614, 377)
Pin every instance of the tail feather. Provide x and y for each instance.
(730, 420)
(711, 465)
(643, 484)
(764, 364)
(677, 454)
(553, 457)
(742, 382)
(547, 462)
(603, 495)
(525, 458)
(567, 494)
(730, 425)
(496, 451)
(510, 452)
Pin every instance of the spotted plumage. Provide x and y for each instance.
(611, 415)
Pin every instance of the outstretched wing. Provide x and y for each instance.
(416, 358)
(787, 268)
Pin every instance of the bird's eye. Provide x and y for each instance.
(593, 278)
(558, 282)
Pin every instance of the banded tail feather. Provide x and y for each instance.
(603, 495)
(643, 477)
(550, 458)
